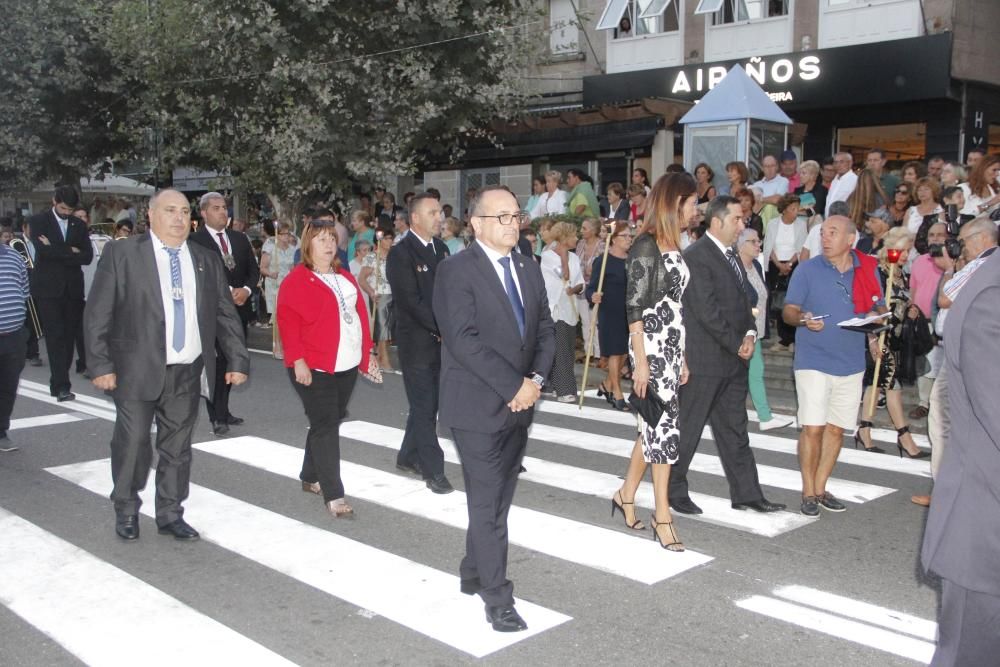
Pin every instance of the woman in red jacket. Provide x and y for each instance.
(324, 329)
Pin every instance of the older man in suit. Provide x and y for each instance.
(62, 247)
(242, 274)
(498, 346)
(962, 538)
(157, 306)
(721, 335)
(411, 268)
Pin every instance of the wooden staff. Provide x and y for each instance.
(892, 255)
(597, 307)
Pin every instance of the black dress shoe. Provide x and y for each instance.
(470, 586)
(505, 618)
(412, 468)
(127, 527)
(234, 421)
(440, 484)
(179, 529)
(762, 505)
(35, 361)
(685, 506)
(220, 428)
(65, 395)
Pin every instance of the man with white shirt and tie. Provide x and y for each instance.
(843, 183)
(62, 247)
(242, 273)
(157, 307)
(411, 267)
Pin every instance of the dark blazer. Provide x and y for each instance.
(484, 360)
(962, 537)
(57, 270)
(246, 273)
(717, 311)
(623, 212)
(125, 327)
(410, 269)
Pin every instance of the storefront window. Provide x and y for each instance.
(901, 143)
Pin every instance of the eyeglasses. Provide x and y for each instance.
(507, 219)
(902, 191)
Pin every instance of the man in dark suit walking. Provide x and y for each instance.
(410, 268)
(242, 273)
(157, 306)
(62, 247)
(962, 538)
(498, 346)
(721, 335)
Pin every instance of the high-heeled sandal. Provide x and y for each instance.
(921, 454)
(676, 545)
(615, 505)
(605, 394)
(859, 441)
(340, 509)
(620, 405)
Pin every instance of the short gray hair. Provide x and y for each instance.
(983, 224)
(207, 197)
(361, 244)
(745, 235)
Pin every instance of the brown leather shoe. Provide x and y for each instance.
(312, 487)
(918, 412)
(923, 501)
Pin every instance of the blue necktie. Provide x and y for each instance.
(177, 293)
(512, 295)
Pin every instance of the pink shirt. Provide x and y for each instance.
(924, 278)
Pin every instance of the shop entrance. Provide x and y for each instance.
(901, 143)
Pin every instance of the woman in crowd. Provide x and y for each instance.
(589, 251)
(361, 251)
(952, 174)
(361, 230)
(563, 282)
(738, 175)
(749, 248)
(544, 236)
(983, 186)
(376, 286)
(902, 201)
(451, 234)
(703, 176)
(898, 238)
(553, 200)
(658, 277)
(324, 329)
(277, 259)
(612, 326)
(637, 201)
(537, 190)
(640, 177)
(928, 194)
(582, 198)
(868, 195)
(913, 171)
(618, 208)
(783, 242)
(812, 194)
(748, 201)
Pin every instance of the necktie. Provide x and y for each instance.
(177, 294)
(222, 242)
(512, 295)
(735, 263)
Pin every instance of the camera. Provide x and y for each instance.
(953, 224)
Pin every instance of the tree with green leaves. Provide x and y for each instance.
(295, 98)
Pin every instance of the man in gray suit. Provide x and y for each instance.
(155, 308)
(498, 342)
(962, 538)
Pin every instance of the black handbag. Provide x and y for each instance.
(649, 408)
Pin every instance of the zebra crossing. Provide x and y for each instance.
(418, 597)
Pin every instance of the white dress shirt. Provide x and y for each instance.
(495, 257)
(550, 204)
(776, 186)
(840, 189)
(63, 223)
(192, 335)
(725, 252)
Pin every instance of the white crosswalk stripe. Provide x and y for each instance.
(84, 603)
(418, 597)
(46, 420)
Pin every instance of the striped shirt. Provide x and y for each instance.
(13, 289)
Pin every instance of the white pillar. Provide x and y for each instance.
(662, 153)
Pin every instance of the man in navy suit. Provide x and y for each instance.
(62, 247)
(498, 343)
(411, 268)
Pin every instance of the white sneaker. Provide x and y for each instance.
(776, 422)
(568, 398)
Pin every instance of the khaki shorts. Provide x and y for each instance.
(828, 399)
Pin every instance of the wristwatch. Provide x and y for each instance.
(537, 379)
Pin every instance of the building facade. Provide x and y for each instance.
(917, 78)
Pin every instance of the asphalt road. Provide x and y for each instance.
(276, 580)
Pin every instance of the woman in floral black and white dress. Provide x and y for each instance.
(657, 276)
